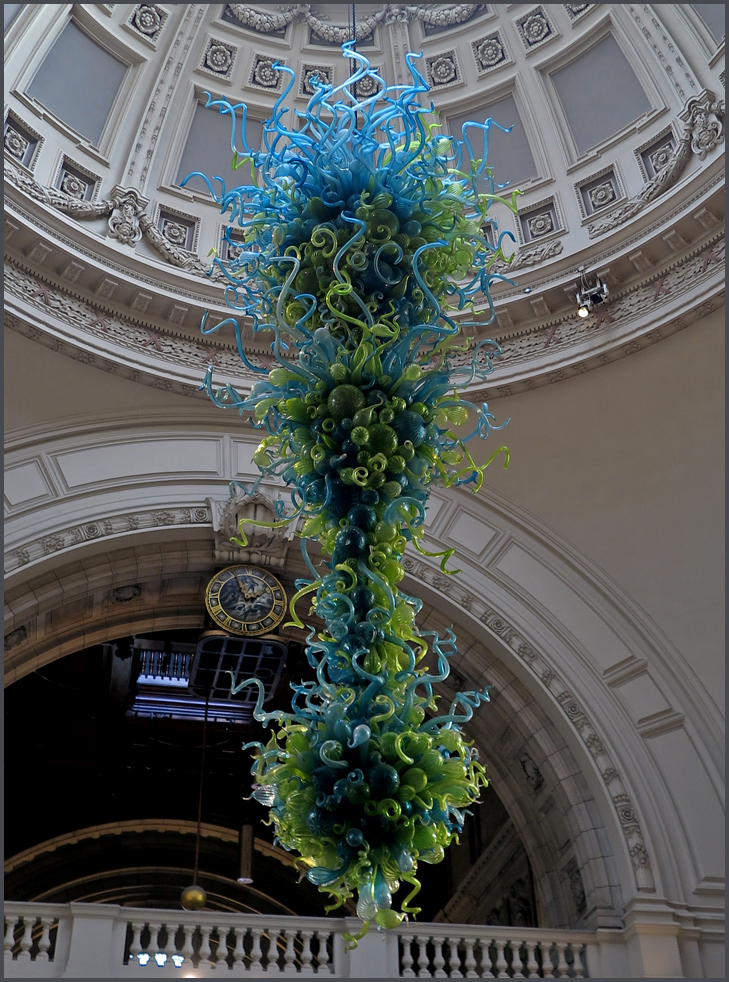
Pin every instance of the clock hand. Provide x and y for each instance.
(243, 589)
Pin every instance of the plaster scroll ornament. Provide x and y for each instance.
(362, 234)
(703, 130)
(123, 223)
(530, 257)
(267, 23)
(60, 200)
(266, 547)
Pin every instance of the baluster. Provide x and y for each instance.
(562, 966)
(290, 953)
(423, 969)
(256, 950)
(516, 959)
(221, 955)
(306, 953)
(187, 950)
(470, 964)
(454, 959)
(44, 944)
(26, 942)
(9, 938)
(406, 961)
(322, 959)
(154, 947)
(239, 951)
(532, 966)
(136, 946)
(438, 960)
(501, 963)
(486, 972)
(206, 952)
(577, 950)
(548, 969)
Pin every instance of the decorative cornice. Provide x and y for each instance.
(75, 535)
(111, 328)
(264, 22)
(147, 354)
(559, 691)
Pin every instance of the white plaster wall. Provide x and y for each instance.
(627, 462)
(43, 386)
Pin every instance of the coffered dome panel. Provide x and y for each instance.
(612, 107)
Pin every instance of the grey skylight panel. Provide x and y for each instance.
(78, 81)
(714, 16)
(208, 149)
(509, 154)
(10, 12)
(600, 94)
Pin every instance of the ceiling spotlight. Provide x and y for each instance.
(588, 297)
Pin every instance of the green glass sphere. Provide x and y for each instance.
(344, 401)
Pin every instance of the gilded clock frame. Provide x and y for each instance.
(237, 625)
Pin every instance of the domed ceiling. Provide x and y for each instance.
(617, 149)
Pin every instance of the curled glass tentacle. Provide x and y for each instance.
(361, 237)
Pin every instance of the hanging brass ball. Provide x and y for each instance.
(193, 898)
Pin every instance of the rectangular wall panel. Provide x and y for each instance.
(696, 800)
(25, 483)
(146, 458)
(470, 533)
(564, 605)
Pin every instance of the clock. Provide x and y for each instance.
(245, 600)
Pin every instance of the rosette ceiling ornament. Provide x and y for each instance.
(363, 235)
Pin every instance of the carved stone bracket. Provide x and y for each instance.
(266, 546)
(703, 130)
(127, 207)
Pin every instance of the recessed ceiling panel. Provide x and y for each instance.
(508, 153)
(208, 149)
(62, 82)
(713, 15)
(10, 12)
(600, 94)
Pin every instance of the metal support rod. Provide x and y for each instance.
(200, 796)
(354, 36)
(245, 843)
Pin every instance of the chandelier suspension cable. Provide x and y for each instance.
(354, 35)
(200, 795)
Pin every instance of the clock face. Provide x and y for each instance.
(246, 600)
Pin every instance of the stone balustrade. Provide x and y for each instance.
(82, 940)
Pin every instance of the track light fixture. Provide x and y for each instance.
(589, 297)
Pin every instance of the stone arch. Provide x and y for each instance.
(581, 649)
(158, 584)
